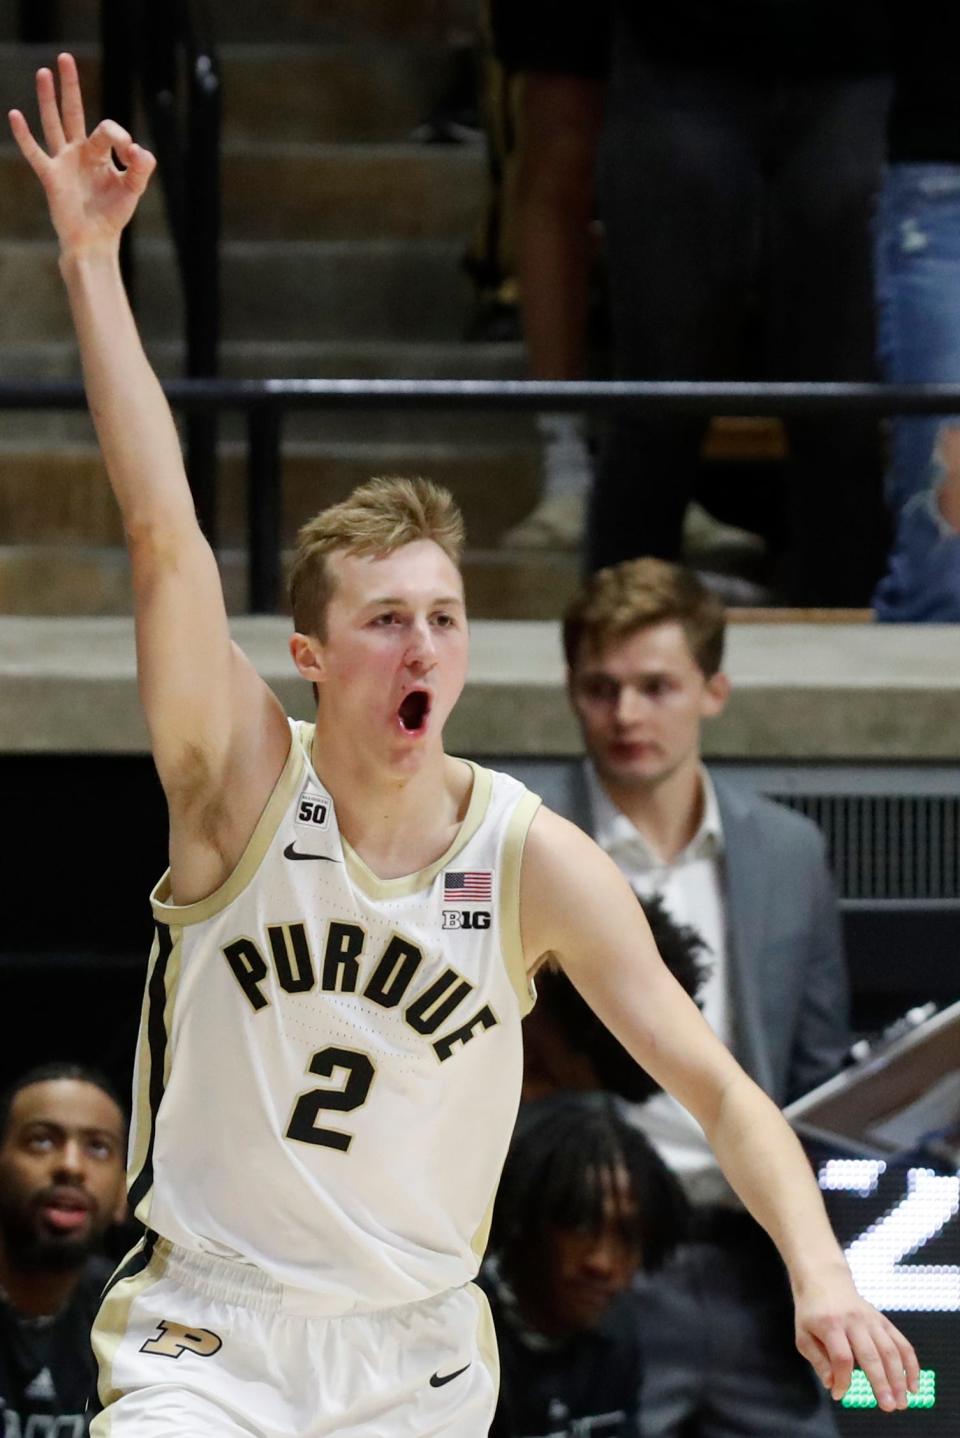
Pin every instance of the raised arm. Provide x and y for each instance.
(210, 715)
(576, 905)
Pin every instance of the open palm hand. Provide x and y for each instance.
(90, 198)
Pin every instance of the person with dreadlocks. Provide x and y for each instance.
(566, 1047)
(584, 1202)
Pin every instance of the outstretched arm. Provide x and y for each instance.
(209, 713)
(576, 904)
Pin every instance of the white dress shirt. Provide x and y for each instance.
(690, 887)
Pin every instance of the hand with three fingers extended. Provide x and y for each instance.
(90, 198)
(838, 1331)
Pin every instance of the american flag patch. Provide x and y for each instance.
(470, 887)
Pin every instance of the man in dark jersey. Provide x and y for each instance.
(583, 1203)
(62, 1140)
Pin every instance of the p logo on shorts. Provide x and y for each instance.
(173, 1339)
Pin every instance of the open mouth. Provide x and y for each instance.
(65, 1212)
(413, 711)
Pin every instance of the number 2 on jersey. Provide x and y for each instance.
(350, 1093)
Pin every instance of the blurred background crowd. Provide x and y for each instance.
(744, 191)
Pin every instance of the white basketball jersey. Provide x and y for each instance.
(329, 1064)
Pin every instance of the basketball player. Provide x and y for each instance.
(329, 1063)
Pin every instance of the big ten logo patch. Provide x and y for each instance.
(466, 919)
(175, 1339)
(313, 810)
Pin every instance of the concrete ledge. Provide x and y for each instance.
(810, 692)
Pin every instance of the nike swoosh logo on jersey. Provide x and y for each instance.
(437, 1382)
(292, 853)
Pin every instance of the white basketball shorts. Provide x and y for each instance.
(191, 1346)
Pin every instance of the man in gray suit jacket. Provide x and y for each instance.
(644, 647)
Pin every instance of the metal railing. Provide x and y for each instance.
(265, 401)
(166, 52)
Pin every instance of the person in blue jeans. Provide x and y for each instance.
(918, 298)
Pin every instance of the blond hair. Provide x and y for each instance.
(617, 602)
(377, 518)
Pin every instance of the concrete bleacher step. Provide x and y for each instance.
(271, 291)
(19, 63)
(381, 430)
(302, 191)
(372, 91)
(314, 191)
(801, 616)
(53, 496)
(297, 359)
(86, 580)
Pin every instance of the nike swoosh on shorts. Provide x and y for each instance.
(437, 1381)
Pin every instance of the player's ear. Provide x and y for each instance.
(307, 654)
(715, 695)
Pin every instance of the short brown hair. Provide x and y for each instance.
(377, 518)
(617, 602)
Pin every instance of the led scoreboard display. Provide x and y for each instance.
(899, 1223)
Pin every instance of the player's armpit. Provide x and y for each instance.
(216, 793)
